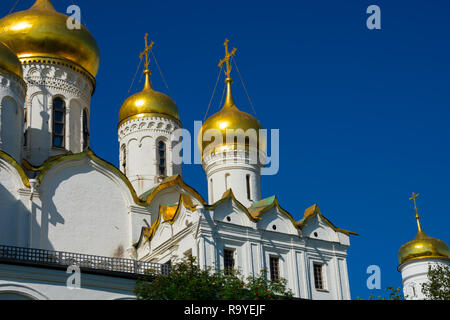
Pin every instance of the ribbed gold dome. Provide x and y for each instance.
(41, 31)
(423, 246)
(9, 61)
(229, 117)
(148, 102)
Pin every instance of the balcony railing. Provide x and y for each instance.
(40, 257)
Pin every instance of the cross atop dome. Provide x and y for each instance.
(147, 72)
(148, 48)
(413, 198)
(228, 56)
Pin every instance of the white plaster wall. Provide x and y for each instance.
(207, 233)
(46, 81)
(9, 204)
(414, 274)
(229, 171)
(83, 209)
(34, 283)
(12, 100)
(141, 137)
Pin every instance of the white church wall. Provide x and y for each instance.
(11, 127)
(84, 209)
(228, 170)
(276, 221)
(32, 283)
(253, 247)
(415, 273)
(229, 213)
(10, 205)
(12, 100)
(141, 137)
(46, 81)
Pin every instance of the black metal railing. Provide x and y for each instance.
(84, 261)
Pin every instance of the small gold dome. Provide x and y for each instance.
(41, 31)
(423, 246)
(9, 61)
(229, 118)
(148, 102)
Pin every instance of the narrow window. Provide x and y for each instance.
(318, 277)
(227, 181)
(124, 159)
(228, 261)
(59, 114)
(166, 267)
(274, 268)
(211, 188)
(25, 129)
(162, 158)
(85, 130)
(249, 197)
(247, 150)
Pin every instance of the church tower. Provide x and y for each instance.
(232, 148)
(147, 121)
(416, 256)
(59, 68)
(12, 100)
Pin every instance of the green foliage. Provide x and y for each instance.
(438, 285)
(187, 281)
(392, 294)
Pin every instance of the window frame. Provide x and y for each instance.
(63, 110)
(322, 279)
(85, 132)
(278, 268)
(160, 158)
(228, 270)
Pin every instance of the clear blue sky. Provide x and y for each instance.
(363, 115)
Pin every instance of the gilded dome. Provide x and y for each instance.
(148, 102)
(9, 61)
(229, 118)
(423, 246)
(41, 31)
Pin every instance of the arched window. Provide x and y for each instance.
(247, 150)
(249, 197)
(124, 159)
(59, 115)
(162, 158)
(211, 189)
(85, 130)
(25, 128)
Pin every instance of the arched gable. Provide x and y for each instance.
(12, 210)
(314, 225)
(230, 210)
(82, 198)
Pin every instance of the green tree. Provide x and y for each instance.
(392, 294)
(438, 285)
(187, 281)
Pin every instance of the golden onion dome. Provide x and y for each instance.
(423, 246)
(229, 118)
(148, 102)
(41, 31)
(9, 61)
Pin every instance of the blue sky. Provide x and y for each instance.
(363, 115)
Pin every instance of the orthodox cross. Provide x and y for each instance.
(228, 56)
(413, 198)
(148, 47)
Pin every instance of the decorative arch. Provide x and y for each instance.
(22, 290)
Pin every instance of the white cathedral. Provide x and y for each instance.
(62, 205)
